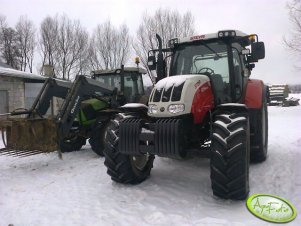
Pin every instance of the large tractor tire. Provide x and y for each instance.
(73, 143)
(259, 137)
(126, 169)
(96, 140)
(230, 154)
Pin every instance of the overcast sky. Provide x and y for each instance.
(267, 18)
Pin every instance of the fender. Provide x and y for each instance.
(253, 97)
(203, 102)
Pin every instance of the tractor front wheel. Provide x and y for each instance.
(73, 143)
(230, 155)
(126, 169)
(97, 140)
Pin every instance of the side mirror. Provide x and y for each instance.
(258, 51)
(151, 63)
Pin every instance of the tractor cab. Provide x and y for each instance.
(224, 57)
(128, 82)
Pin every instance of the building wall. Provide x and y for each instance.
(15, 90)
(3, 103)
(31, 92)
(15, 93)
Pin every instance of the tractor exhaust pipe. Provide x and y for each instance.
(160, 60)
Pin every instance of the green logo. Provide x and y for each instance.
(271, 208)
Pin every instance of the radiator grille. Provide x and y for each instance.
(172, 93)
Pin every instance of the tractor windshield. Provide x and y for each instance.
(128, 84)
(211, 58)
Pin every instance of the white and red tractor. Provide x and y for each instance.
(203, 95)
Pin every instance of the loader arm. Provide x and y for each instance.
(51, 88)
(81, 89)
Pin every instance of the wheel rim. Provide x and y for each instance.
(139, 161)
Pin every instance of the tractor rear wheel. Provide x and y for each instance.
(230, 155)
(126, 169)
(73, 143)
(259, 137)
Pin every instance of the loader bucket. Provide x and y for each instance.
(23, 137)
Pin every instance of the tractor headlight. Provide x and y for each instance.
(173, 42)
(226, 34)
(152, 109)
(176, 108)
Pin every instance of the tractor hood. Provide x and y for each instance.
(173, 96)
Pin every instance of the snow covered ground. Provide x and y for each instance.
(43, 190)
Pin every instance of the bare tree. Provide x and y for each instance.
(48, 41)
(109, 47)
(9, 48)
(25, 32)
(64, 44)
(3, 25)
(168, 24)
(80, 51)
(294, 42)
(8, 44)
(122, 48)
(72, 47)
(93, 57)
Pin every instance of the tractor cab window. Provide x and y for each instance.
(110, 80)
(197, 59)
(210, 59)
(132, 87)
(129, 85)
(219, 66)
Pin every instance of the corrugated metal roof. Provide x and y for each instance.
(8, 72)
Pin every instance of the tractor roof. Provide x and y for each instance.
(217, 35)
(118, 70)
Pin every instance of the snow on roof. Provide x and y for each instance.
(134, 105)
(117, 70)
(278, 85)
(277, 88)
(207, 36)
(9, 72)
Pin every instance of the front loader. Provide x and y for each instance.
(207, 97)
(39, 133)
(33, 133)
(89, 104)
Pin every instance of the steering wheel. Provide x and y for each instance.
(206, 71)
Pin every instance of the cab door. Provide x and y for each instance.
(238, 74)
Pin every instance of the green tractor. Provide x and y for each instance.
(96, 112)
